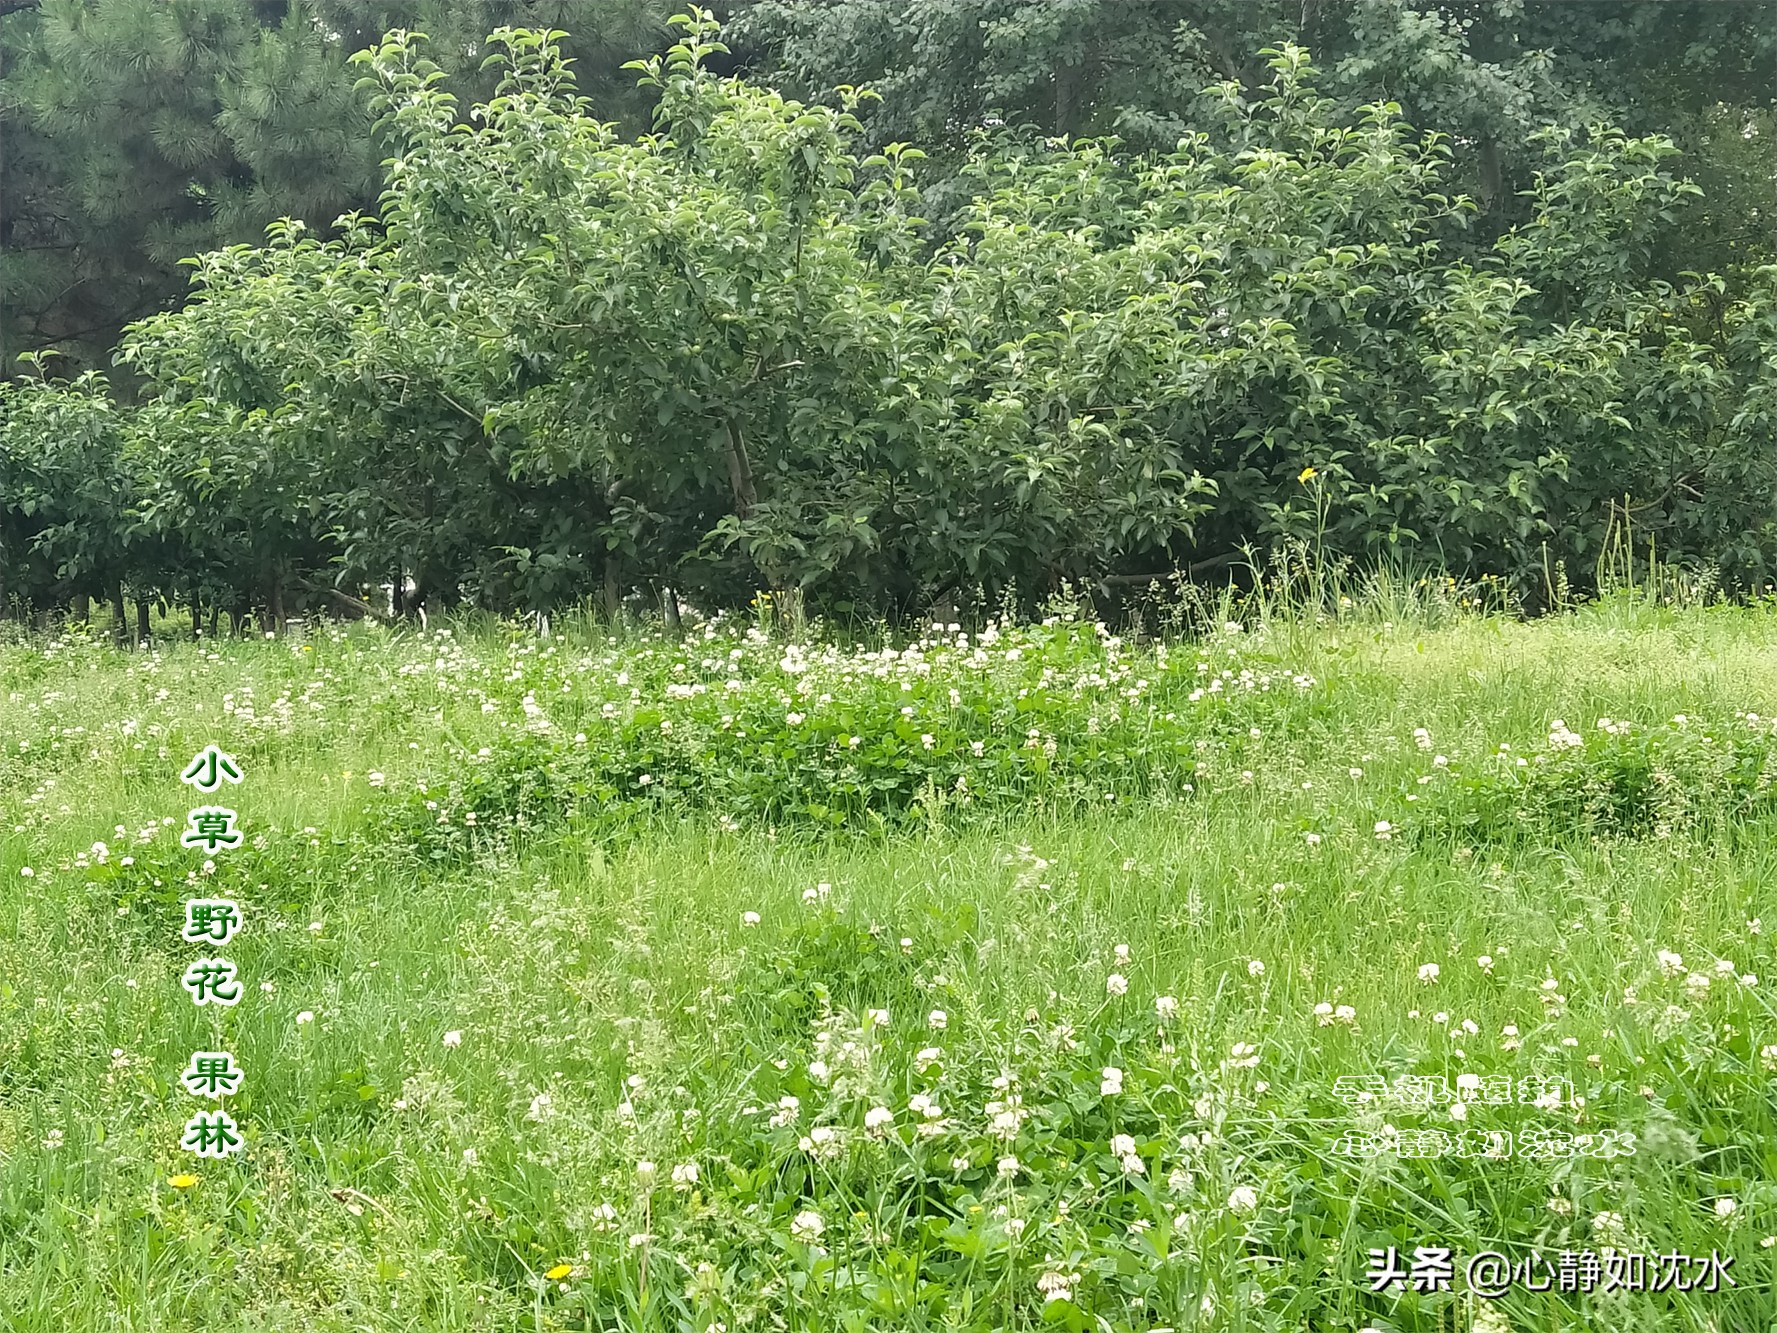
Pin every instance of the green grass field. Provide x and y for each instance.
(609, 981)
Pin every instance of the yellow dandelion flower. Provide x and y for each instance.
(560, 1271)
(183, 1181)
(1307, 475)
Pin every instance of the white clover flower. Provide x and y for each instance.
(1255, 968)
(1428, 973)
(685, 1175)
(1122, 1145)
(1670, 963)
(1724, 1206)
(1243, 1199)
(878, 1117)
(1007, 1167)
(788, 1109)
(807, 1226)
(453, 1038)
(1116, 984)
(1111, 1081)
(749, 918)
(1056, 1287)
(937, 1020)
(1166, 1006)
(646, 1172)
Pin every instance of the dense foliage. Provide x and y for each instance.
(722, 356)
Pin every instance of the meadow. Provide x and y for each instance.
(1012, 976)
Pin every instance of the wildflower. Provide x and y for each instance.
(1255, 968)
(539, 1107)
(183, 1181)
(453, 1038)
(788, 1108)
(1671, 964)
(559, 1272)
(1007, 1167)
(685, 1175)
(1166, 1006)
(1243, 1056)
(1057, 1286)
(1428, 973)
(1122, 1144)
(1560, 1207)
(937, 1020)
(807, 1226)
(306, 1016)
(1324, 1012)
(926, 1057)
(749, 918)
(646, 1173)
(1116, 984)
(1345, 1014)
(1133, 1165)
(1485, 963)
(1384, 830)
(1243, 1199)
(1111, 1083)
(1121, 953)
(878, 1118)
(375, 779)
(1724, 1206)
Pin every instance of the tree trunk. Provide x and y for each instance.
(119, 615)
(215, 618)
(669, 601)
(83, 608)
(277, 603)
(613, 598)
(197, 615)
(141, 622)
(788, 602)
